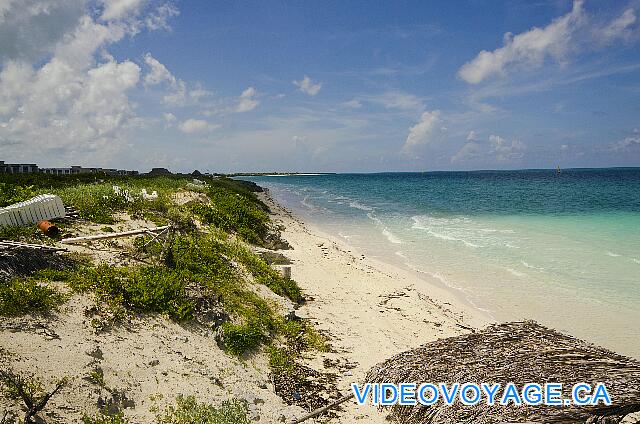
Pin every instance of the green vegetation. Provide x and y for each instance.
(97, 377)
(11, 193)
(27, 234)
(264, 274)
(200, 271)
(21, 296)
(203, 273)
(102, 418)
(231, 212)
(92, 195)
(147, 289)
(189, 411)
(98, 202)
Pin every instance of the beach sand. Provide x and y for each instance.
(372, 310)
(369, 309)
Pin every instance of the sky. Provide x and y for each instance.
(320, 86)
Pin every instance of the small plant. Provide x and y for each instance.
(13, 193)
(97, 377)
(103, 418)
(23, 295)
(280, 360)
(235, 212)
(148, 289)
(30, 391)
(189, 411)
(239, 339)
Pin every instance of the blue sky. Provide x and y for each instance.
(320, 86)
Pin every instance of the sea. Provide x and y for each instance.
(562, 248)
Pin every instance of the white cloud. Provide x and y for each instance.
(195, 126)
(117, 9)
(307, 86)
(471, 136)
(59, 108)
(422, 132)
(247, 100)
(469, 151)
(299, 140)
(397, 100)
(199, 93)
(177, 94)
(627, 144)
(618, 28)
(504, 150)
(29, 29)
(528, 48)
(574, 32)
(158, 73)
(495, 149)
(353, 104)
(169, 119)
(69, 99)
(158, 19)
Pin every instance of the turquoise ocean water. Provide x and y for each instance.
(563, 249)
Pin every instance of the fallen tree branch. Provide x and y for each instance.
(16, 244)
(113, 235)
(27, 393)
(323, 409)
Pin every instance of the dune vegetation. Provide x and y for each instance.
(206, 275)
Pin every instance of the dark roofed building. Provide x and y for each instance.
(18, 168)
(159, 171)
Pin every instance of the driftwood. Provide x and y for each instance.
(8, 244)
(115, 235)
(27, 393)
(319, 411)
(519, 353)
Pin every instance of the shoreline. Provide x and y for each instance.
(372, 310)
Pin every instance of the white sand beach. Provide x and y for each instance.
(372, 310)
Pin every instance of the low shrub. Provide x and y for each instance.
(189, 411)
(14, 193)
(24, 295)
(239, 339)
(148, 289)
(265, 274)
(102, 418)
(232, 212)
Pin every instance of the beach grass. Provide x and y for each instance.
(188, 410)
(208, 274)
(25, 295)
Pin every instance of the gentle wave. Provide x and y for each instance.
(385, 231)
(390, 236)
(357, 205)
(307, 204)
(516, 273)
(447, 283)
(531, 266)
(427, 223)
